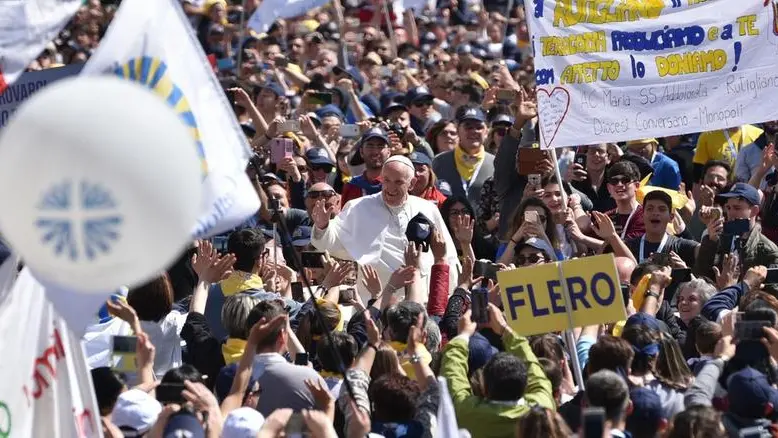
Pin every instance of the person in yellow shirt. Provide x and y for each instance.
(722, 145)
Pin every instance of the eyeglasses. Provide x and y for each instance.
(302, 168)
(502, 130)
(449, 133)
(321, 194)
(616, 180)
(530, 259)
(422, 103)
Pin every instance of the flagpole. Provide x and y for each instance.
(390, 27)
(569, 336)
(241, 35)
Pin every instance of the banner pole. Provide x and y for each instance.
(569, 335)
(390, 27)
(241, 35)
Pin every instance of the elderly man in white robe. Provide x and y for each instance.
(371, 229)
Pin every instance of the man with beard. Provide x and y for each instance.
(374, 150)
(469, 165)
(715, 178)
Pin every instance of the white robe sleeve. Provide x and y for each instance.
(329, 240)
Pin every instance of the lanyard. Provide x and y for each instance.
(659, 249)
(732, 150)
(626, 224)
(466, 184)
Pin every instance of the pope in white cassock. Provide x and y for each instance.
(371, 230)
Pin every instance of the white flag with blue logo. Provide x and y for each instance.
(152, 43)
(26, 26)
(271, 10)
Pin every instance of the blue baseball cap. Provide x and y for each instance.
(185, 424)
(418, 94)
(503, 119)
(741, 190)
(319, 156)
(275, 88)
(330, 110)
(749, 392)
(643, 318)
(420, 158)
(374, 132)
(647, 410)
(472, 114)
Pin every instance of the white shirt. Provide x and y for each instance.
(166, 337)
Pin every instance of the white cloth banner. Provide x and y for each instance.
(152, 43)
(46, 390)
(30, 83)
(26, 26)
(271, 10)
(620, 70)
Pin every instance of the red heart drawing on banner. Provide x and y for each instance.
(552, 109)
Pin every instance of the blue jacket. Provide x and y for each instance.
(726, 299)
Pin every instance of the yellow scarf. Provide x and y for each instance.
(405, 357)
(325, 374)
(466, 163)
(240, 281)
(232, 350)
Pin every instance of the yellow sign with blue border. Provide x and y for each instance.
(534, 300)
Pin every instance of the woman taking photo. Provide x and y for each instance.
(531, 219)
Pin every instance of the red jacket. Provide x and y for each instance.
(353, 191)
(433, 194)
(438, 296)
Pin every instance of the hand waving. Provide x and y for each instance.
(371, 281)
(412, 255)
(321, 214)
(463, 229)
(603, 226)
(209, 266)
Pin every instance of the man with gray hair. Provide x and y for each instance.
(608, 390)
(371, 229)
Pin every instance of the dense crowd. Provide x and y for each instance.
(396, 160)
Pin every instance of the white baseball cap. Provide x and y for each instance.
(135, 412)
(242, 423)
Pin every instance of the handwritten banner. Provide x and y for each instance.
(534, 301)
(617, 70)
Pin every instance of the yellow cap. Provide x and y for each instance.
(642, 141)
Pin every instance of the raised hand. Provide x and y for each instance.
(438, 246)
(371, 280)
(336, 275)
(526, 106)
(321, 214)
(402, 277)
(463, 229)
(729, 273)
(603, 226)
(412, 255)
(209, 266)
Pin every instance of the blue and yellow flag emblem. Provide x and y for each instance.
(153, 73)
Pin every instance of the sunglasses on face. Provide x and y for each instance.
(530, 259)
(326, 169)
(502, 130)
(321, 194)
(422, 103)
(616, 180)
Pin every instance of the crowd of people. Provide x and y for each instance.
(397, 163)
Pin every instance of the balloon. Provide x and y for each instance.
(100, 184)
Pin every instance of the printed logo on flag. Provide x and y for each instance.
(82, 228)
(153, 73)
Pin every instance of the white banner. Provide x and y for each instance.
(620, 70)
(152, 43)
(26, 26)
(46, 390)
(271, 10)
(28, 84)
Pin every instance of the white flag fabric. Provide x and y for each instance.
(447, 417)
(152, 43)
(271, 10)
(26, 26)
(46, 389)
